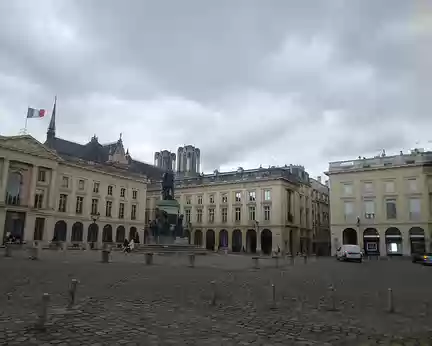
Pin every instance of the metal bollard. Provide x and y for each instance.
(72, 292)
(390, 303)
(213, 289)
(43, 314)
(332, 298)
(149, 258)
(105, 256)
(192, 260)
(8, 251)
(256, 262)
(273, 295)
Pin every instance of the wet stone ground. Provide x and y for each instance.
(126, 302)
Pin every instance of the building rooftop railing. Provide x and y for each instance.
(416, 157)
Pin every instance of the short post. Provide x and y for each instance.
(213, 290)
(105, 256)
(34, 253)
(276, 260)
(8, 250)
(43, 314)
(332, 299)
(72, 292)
(273, 295)
(305, 259)
(255, 262)
(192, 260)
(149, 258)
(390, 303)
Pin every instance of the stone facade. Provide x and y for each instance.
(382, 203)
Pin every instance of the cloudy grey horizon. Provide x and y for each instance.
(248, 82)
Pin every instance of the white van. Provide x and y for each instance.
(349, 253)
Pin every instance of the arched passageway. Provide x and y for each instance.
(120, 234)
(266, 241)
(107, 234)
(349, 236)
(251, 241)
(417, 240)
(92, 234)
(60, 231)
(133, 234)
(210, 240)
(77, 232)
(237, 241)
(393, 239)
(223, 239)
(371, 241)
(198, 237)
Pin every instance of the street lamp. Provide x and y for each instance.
(95, 217)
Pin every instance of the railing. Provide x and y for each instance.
(12, 200)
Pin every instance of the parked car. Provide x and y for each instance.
(349, 253)
(423, 258)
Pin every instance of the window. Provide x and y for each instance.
(122, 192)
(267, 213)
(237, 214)
(108, 209)
(348, 209)
(211, 199)
(238, 196)
(39, 228)
(133, 212)
(348, 189)
(267, 195)
(200, 200)
(134, 194)
(188, 200)
(252, 196)
(367, 187)
(121, 210)
(96, 187)
(199, 215)
(389, 186)
(94, 206)
(412, 185)
(391, 210)
(62, 203)
(188, 215)
(65, 182)
(41, 175)
(80, 184)
(38, 201)
(79, 205)
(224, 215)
(252, 213)
(369, 209)
(414, 208)
(224, 198)
(211, 215)
(110, 190)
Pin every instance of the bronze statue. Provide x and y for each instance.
(168, 186)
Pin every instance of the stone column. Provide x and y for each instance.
(29, 228)
(217, 239)
(243, 232)
(230, 232)
(49, 229)
(258, 240)
(32, 187)
(4, 177)
(52, 191)
(382, 244)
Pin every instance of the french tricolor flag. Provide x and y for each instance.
(35, 113)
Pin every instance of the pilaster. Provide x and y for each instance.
(52, 191)
(3, 181)
(32, 187)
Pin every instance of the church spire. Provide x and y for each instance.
(52, 125)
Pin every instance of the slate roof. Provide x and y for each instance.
(93, 151)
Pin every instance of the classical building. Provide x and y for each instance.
(92, 193)
(320, 216)
(382, 203)
(256, 210)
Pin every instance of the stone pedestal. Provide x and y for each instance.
(172, 208)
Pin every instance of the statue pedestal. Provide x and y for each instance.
(172, 208)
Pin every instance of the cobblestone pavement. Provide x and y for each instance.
(126, 302)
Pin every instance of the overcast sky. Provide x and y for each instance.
(268, 82)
